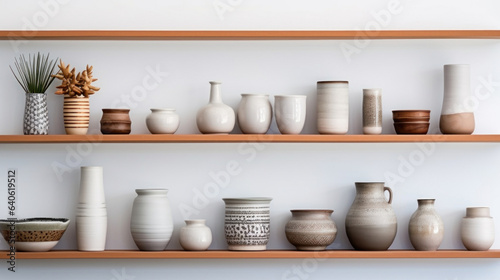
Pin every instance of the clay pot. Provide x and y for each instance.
(371, 223)
(332, 107)
(162, 121)
(115, 121)
(426, 228)
(311, 230)
(478, 229)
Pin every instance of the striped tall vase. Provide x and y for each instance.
(76, 115)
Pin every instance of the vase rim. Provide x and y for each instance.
(91, 167)
(162, 109)
(333, 82)
(311, 210)
(36, 93)
(369, 183)
(255, 94)
(111, 110)
(195, 221)
(215, 83)
(245, 200)
(290, 96)
(151, 191)
(459, 64)
(426, 199)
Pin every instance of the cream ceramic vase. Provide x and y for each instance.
(91, 214)
(247, 223)
(456, 115)
(151, 223)
(290, 113)
(76, 112)
(215, 117)
(372, 111)
(371, 224)
(426, 228)
(254, 113)
(195, 236)
(478, 229)
(162, 121)
(333, 107)
(311, 230)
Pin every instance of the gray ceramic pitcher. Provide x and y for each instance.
(371, 223)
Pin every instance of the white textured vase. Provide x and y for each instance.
(215, 117)
(162, 121)
(91, 213)
(333, 107)
(426, 228)
(478, 229)
(195, 236)
(290, 112)
(457, 116)
(254, 113)
(247, 223)
(151, 223)
(372, 111)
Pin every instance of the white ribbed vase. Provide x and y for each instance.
(91, 214)
(151, 223)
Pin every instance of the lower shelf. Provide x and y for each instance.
(271, 254)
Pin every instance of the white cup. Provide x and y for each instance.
(290, 113)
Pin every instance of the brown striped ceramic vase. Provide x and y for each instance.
(76, 115)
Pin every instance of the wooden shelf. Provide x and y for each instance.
(244, 34)
(243, 138)
(278, 254)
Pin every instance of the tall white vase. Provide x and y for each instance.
(333, 107)
(91, 214)
(457, 116)
(215, 117)
(254, 113)
(151, 224)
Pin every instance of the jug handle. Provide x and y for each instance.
(390, 193)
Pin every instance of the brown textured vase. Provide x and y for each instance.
(371, 224)
(115, 121)
(426, 228)
(311, 230)
(76, 115)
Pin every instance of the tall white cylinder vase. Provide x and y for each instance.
(151, 224)
(91, 214)
(457, 116)
(333, 107)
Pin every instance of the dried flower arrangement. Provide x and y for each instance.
(74, 85)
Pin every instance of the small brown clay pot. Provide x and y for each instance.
(115, 121)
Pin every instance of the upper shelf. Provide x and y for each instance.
(243, 138)
(270, 254)
(245, 34)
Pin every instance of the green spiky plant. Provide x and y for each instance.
(35, 73)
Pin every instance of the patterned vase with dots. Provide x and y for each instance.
(247, 223)
(36, 114)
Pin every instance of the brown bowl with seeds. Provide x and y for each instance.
(33, 234)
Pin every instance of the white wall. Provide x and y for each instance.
(295, 175)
